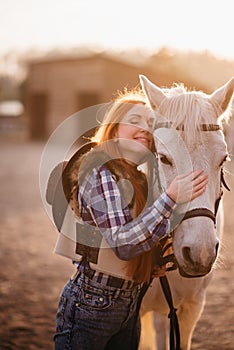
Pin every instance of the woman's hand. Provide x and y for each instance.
(186, 187)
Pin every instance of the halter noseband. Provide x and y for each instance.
(204, 211)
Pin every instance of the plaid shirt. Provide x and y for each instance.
(100, 202)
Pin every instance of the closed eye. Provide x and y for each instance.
(134, 121)
(164, 159)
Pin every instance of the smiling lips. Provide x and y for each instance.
(142, 139)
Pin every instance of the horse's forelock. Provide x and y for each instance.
(188, 108)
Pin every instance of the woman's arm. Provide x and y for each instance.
(100, 202)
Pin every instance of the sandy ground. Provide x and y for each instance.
(32, 276)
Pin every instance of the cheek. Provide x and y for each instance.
(126, 131)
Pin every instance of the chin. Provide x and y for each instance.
(193, 274)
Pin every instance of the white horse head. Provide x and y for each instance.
(192, 139)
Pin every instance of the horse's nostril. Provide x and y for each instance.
(186, 253)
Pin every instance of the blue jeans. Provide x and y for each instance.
(92, 316)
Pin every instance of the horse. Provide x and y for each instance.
(190, 121)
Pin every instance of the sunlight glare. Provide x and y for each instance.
(185, 25)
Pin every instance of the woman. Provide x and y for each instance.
(98, 305)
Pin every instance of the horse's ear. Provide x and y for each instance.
(222, 96)
(152, 92)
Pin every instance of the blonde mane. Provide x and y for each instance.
(190, 109)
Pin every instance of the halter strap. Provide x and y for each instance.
(199, 212)
(202, 127)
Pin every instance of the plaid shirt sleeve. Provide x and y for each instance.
(101, 204)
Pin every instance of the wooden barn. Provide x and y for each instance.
(58, 88)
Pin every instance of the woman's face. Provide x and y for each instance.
(134, 132)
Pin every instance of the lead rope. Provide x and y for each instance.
(174, 324)
(163, 260)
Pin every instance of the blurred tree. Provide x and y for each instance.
(176, 66)
(199, 70)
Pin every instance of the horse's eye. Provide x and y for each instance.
(164, 159)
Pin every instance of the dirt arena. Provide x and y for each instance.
(32, 276)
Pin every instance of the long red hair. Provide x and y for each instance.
(141, 266)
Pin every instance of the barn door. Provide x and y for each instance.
(38, 114)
